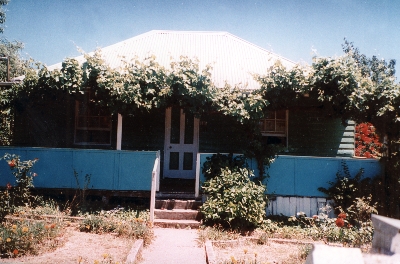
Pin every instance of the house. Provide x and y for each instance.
(80, 137)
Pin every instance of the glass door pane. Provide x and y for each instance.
(175, 125)
(189, 128)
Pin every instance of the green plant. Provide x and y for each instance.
(78, 202)
(346, 188)
(214, 165)
(215, 233)
(126, 223)
(23, 237)
(233, 200)
(20, 194)
(360, 211)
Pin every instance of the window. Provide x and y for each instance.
(92, 125)
(275, 126)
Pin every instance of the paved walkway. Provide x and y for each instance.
(174, 246)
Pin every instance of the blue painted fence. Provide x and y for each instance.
(109, 169)
(301, 176)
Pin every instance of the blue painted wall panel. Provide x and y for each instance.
(281, 178)
(312, 173)
(99, 165)
(52, 167)
(302, 176)
(132, 167)
(109, 169)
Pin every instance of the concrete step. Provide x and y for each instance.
(177, 214)
(175, 195)
(170, 223)
(170, 204)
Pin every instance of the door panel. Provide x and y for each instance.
(181, 144)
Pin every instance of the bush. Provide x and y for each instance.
(217, 162)
(20, 194)
(234, 201)
(347, 188)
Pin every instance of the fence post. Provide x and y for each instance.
(153, 189)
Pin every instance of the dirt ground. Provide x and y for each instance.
(81, 247)
(250, 252)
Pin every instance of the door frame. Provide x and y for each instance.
(180, 147)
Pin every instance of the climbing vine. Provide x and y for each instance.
(351, 86)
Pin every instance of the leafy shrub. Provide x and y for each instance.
(360, 211)
(347, 188)
(234, 201)
(20, 194)
(217, 162)
(341, 229)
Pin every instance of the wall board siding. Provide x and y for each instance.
(302, 176)
(144, 131)
(290, 206)
(313, 133)
(108, 170)
(219, 133)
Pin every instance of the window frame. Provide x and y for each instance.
(276, 133)
(105, 127)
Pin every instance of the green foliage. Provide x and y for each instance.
(2, 14)
(233, 200)
(282, 88)
(263, 153)
(23, 237)
(346, 188)
(18, 65)
(215, 233)
(20, 194)
(321, 227)
(359, 213)
(214, 165)
(126, 223)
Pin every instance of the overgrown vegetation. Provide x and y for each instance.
(29, 224)
(19, 194)
(126, 223)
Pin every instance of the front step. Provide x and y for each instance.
(177, 213)
(177, 204)
(176, 195)
(168, 223)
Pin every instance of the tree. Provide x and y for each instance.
(2, 14)
(18, 65)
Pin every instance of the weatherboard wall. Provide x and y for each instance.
(302, 176)
(108, 170)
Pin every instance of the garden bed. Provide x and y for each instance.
(249, 251)
(74, 246)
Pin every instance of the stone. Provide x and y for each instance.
(386, 238)
(323, 254)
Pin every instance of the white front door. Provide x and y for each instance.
(181, 144)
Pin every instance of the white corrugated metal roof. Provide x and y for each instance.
(233, 59)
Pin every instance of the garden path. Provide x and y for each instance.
(174, 246)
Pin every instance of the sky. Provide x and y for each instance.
(52, 30)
